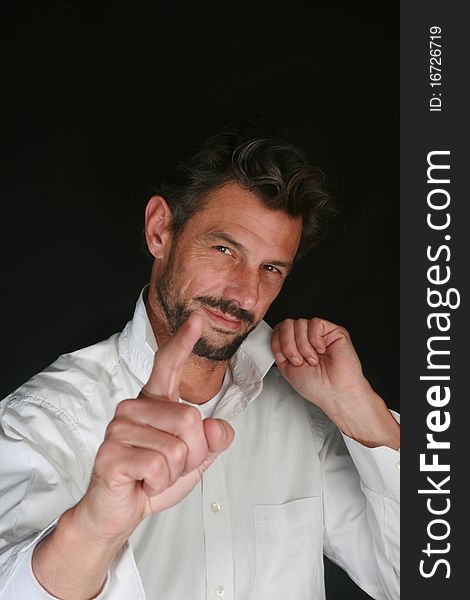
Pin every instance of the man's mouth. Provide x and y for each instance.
(222, 320)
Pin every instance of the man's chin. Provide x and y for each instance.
(219, 349)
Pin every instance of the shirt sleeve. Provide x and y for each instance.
(44, 470)
(42, 474)
(21, 583)
(361, 488)
(35, 485)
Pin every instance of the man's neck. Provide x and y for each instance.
(198, 383)
(202, 378)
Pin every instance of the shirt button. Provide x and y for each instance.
(215, 507)
(398, 465)
(219, 590)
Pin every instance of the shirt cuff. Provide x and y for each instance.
(379, 468)
(22, 583)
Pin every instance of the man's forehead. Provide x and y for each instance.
(237, 208)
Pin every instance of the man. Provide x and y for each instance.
(171, 461)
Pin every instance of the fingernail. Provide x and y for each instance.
(296, 361)
(312, 361)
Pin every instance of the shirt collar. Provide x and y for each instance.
(249, 365)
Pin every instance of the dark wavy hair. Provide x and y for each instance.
(261, 161)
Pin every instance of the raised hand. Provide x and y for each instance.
(318, 359)
(154, 452)
(155, 449)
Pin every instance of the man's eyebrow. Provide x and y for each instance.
(221, 235)
(281, 263)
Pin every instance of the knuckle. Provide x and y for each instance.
(158, 468)
(124, 407)
(107, 464)
(316, 328)
(178, 452)
(108, 449)
(190, 417)
(115, 428)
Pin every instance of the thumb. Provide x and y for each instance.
(219, 436)
(170, 359)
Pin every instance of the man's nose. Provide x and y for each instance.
(243, 287)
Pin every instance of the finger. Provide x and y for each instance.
(119, 464)
(276, 347)
(303, 343)
(323, 333)
(287, 343)
(170, 359)
(339, 341)
(131, 434)
(180, 420)
(316, 334)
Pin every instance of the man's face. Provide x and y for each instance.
(228, 263)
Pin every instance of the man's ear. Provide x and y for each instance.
(157, 226)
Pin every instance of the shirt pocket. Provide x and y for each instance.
(289, 550)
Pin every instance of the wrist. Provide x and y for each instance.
(79, 521)
(70, 563)
(364, 417)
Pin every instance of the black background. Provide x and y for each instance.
(104, 99)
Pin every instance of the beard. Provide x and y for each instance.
(177, 311)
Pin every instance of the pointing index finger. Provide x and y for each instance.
(169, 360)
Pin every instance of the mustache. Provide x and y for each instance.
(228, 307)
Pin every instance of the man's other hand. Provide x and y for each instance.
(318, 359)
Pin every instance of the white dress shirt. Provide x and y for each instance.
(289, 489)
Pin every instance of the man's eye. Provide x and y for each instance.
(223, 249)
(272, 269)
